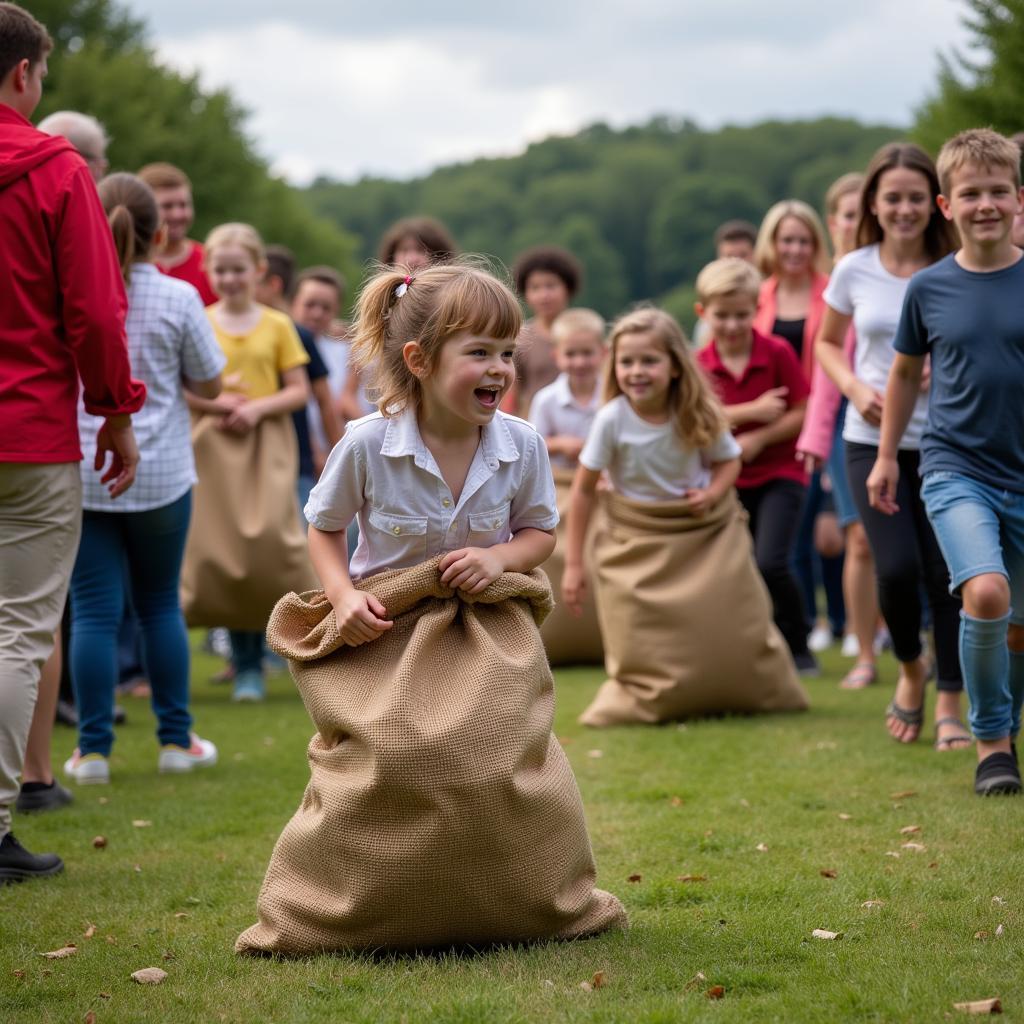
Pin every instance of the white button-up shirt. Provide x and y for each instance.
(382, 474)
(556, 412)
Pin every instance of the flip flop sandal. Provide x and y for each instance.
(908, 716)
(860, 676)
(947, 742)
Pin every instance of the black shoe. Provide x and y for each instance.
(42, 798)
(67, 714)
(807, 665)
(997, 773)
(18, 865)
(119, 716)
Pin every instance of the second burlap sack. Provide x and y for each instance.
(570, 640)
(440, 808)
(686, 617)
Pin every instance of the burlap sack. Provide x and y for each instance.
(686, 618)
(245, 546)
(568, 640)
(440, 808)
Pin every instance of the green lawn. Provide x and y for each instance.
(695, 800)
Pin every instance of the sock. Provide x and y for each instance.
(986, 664)
(35, 787)
(1016, 688)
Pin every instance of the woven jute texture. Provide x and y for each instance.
(685, 616)
(245, 547)
(570, 640)
(440, 809)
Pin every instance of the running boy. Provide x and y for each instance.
(967, 313)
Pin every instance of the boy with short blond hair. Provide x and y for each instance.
(763, 389)
(564, 410)
(966, 313)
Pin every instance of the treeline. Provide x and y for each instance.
(637, 206)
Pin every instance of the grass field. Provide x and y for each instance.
(792, 820)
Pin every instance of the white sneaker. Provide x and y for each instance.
(90, 770)
(177, 759)
(820, 638)
(851, 646)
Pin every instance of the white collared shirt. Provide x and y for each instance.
(556, 412)
(382, 474)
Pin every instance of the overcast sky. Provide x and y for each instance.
(398, 87)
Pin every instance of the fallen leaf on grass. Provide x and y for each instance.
(691, 878)
(980, 1006)
(999, 931)
(89, 1018)
(823, 933)
(982, 935)
(934, 864)
(892, 853)
(903, 794)
(104, 995)
(846, 817)
(103, 800)
(181, 915)
(744, 803)
(761, 848)
(715, 992)
(137, 869)
(909, 830)
(586, 986)
(90, 931)
(99, 842)
(999, 901)
(635, 878)
(916, 847)
(149, 976)
(59, 954)
(168, 955)
(141, 823)
(828, 873)
(873, 904)
(595, 753)
(599, 980)
(695, 982)
(18, 974)
(676, 801)
(111, 940)
(547, 983)
(194, 900)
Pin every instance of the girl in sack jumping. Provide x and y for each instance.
(684, 614)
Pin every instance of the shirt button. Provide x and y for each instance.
(397, 530)
(446, 502)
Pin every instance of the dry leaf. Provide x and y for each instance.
(903, 794)
(829, 873)
(980, 1006)
(149, 976)
(112, 940)
(547, 983)
(999, 931)
(710, 832)
(586, 986)
(634, 878)
(89, 1018)
(822, 933)
(916, 847)
(104, 995)
(761, 848)
(892, 853)
(59, 954)
(137, 869)
(103, 800)
(99, 842)
(691, 878)
(909, 830)
(90, 931)
(999, 901)
(141, 823)
(715, 992)
(744, 803)
(934, 864)
(18, 974)
(595, 753)
(982, 935)
(599, 980)
(676, 801)
(872, 904)
(694, 982)
(181, 915)
(846, 817)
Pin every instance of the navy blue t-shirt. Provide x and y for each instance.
(317, 369)
(972, 325)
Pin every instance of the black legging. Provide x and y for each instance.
(774, 510)
(907, 554)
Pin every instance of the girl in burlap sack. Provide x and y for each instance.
(441, 809)
(685, 617)
(245, 548)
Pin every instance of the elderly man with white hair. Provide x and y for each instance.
(85, 133)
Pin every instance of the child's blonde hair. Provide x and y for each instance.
(728, 276)
(577, 319)
(764, 251)
(429, 307)
(245, 236)
(982, 147)
(694, 409)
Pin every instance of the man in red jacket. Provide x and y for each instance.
(63, 306)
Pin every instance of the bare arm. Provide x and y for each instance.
(723, 475)
(581, 508)
(901, 394)
(829, 352)
(787, 426)
(475, 569)
(766, 408)
(203, 389)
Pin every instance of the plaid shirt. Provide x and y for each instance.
(169, 337)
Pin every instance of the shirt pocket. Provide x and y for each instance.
(489, 528)
(403, 538)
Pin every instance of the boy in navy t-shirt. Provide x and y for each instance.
(967, 313)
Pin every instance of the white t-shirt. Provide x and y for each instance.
(860, 286)
(648, 461)
(556, 412)
(335, 356)
(382, 473)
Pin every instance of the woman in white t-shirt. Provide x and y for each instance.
(900, 232)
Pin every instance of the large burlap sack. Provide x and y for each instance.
(567, 639)
(440, 808)
(245, 546)
(686, 618)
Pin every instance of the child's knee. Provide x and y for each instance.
(986, 596)
(1015, 638)
(857, 545)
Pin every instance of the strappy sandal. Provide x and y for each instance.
(908, 716)
(862, 675)
(960, 741)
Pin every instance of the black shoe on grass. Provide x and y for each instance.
(34, 796)
(18, 865)
(997, 774)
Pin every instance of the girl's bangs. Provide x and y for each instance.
(480, 305)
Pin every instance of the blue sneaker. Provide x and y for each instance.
(249, 687)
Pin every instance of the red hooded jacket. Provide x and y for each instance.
(62, 299)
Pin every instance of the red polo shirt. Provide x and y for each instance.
(773, 364)
(191, 270)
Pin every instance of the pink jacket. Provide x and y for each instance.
(765, 319)
(823, 408)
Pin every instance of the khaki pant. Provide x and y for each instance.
(40, 522)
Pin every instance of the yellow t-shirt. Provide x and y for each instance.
(256, 360)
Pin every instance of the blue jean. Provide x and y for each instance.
(809, 565)
(980, 529)
(247, 650)
(152, 543)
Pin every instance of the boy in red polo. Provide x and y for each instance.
(762, 386)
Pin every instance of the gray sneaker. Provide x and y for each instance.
(43, 798)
